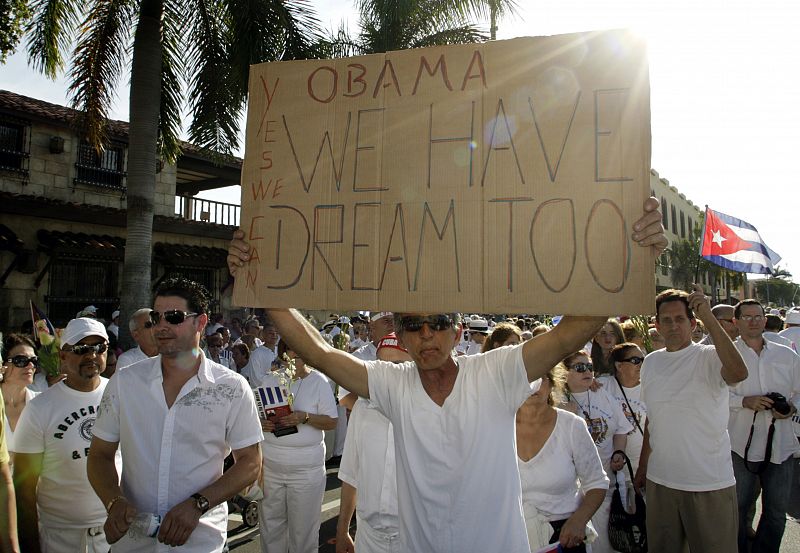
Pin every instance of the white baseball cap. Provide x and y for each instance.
(80, 328)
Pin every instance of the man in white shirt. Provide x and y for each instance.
(141, 328)
(792, 330)
(175, 417)
(453, 420)
(478, 330)
(113, 328)
(262, 358)
(757, 425)
(367, 472)
(58, 510)
(691, 493)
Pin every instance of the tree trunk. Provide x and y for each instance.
(493, 19)
(145, 99)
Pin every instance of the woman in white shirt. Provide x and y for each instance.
(563, 481)
(293, 474)
(607, 424)
(19, 367)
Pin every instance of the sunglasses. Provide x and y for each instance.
(434, 322)
(21, 361)
(633, 360)
(83, 349)
(582, 367)
(173, 317)
(148, 325)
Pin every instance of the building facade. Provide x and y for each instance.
(63, 216)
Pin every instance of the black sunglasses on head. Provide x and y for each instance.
(173, 317)
(582, 367)
(434, 322)
(83, 349)
(21, 361)
(634, 360)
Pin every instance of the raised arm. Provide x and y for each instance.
(303, 338)
(733, 369)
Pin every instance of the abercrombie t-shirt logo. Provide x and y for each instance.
(84, 417)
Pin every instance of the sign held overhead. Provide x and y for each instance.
(497, 177)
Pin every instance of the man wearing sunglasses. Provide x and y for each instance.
(175, 418)
(141, 328)
(58, 510)
(453, 419)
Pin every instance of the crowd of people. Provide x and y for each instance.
(456, 432)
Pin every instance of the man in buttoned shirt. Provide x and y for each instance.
(58, 510)
(756, 426)
(142, 332)
(724, 315)
(263, 356)
(175, 418)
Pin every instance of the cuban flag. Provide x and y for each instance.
(735, 245)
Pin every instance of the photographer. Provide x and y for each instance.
(762, 437)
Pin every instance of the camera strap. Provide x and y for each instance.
(767, 452)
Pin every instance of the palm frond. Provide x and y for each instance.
(97, 63)
(169, 118)
(340, 44)
(50, 33)
(212, 87)
(459, 35)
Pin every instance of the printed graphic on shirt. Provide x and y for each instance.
(208, 397)
(83, 417)
(632, 418)
(598, 428)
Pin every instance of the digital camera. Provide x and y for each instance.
(779, 403)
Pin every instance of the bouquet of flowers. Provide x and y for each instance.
(48, 341)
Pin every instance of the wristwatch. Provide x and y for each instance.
(305, 420)
(201, 502)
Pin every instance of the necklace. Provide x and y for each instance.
(13, 401)
(585, 412)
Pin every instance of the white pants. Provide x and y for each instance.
(372, 541)
(289, 515)
(73, 540)
(600, 523)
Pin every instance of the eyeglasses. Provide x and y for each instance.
(751, 318)
(582, 367)
(21, 361)
(633, 360)
(83, 349)
(173, 317)
(434, 322)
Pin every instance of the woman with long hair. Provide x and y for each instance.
(607, 337)
(503, 334)
(19, 366)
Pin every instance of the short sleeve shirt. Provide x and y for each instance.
(456, 463)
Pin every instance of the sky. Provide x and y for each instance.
(724, 87)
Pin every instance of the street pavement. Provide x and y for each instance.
(246, 540)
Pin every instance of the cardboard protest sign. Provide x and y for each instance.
(499, 177)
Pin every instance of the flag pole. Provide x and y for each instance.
(700, 252)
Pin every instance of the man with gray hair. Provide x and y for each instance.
(142, 332)
(724, 314)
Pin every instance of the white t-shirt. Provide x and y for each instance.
(130, 357)
(29, 395)
(59, 423)
(306, 448)
(687, 412)
(776, 369)
(606, 419)
(260, 365)
(550, 479)
(368, 464)
(367, 352)
(793, 334)
(633, 447)
(171, 453)
(457, 464)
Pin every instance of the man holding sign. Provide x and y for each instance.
(453, 419)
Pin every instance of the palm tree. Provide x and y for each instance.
(387, 25)
(204, 45)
